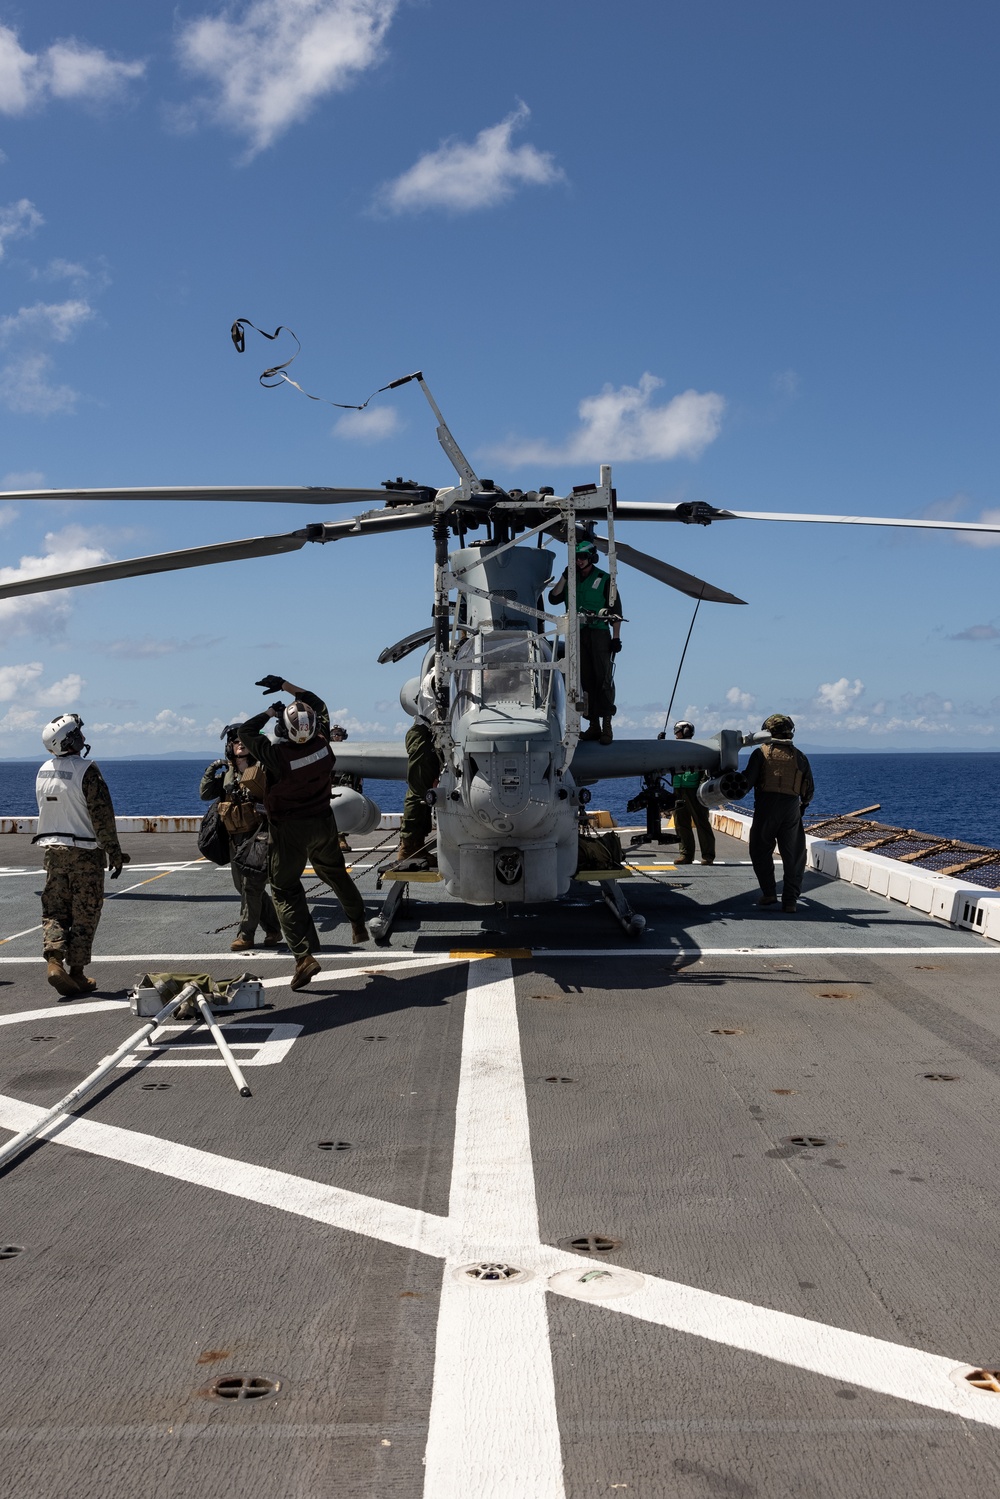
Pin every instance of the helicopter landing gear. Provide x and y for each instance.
(381, 926)
(632, 923)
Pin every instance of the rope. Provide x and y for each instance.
(275, 376)
(680, 666)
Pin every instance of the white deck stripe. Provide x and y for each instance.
(110, 896)
(387, 1221)
(493, 1428)
(60, 1012)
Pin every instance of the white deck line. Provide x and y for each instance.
(387, 1221)
(493, 1427)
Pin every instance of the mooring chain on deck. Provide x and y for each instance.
(217, 931)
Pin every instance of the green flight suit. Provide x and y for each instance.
(597, 677)
(688, 810)
(423, 768)
(221, 780)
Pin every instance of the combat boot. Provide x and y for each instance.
(241, 944)
(606, 735)
(359, 932)
(305, 969)
(592, 734)
(60, 979)
(83, 983)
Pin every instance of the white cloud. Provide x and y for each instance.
(7, 515)
(371, 425)
(46, 613)
(17, 219)
(464, 177)
(839, 696)
(23, 683)
(25, 387)
(66, 70)
(977, 632)
(982, 538)
(740, 699)
(625, 425)
(787, 383)
(58, 321)
(31, 478)
(146, 647)
(271, 60)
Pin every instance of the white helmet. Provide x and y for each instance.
(64, 735)
(300, 722)
(683, 729)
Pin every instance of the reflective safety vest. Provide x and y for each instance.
(592, 594)
(63, 815)
(302, 786)
(686, 780)
(782, 772)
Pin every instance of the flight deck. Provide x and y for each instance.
(518, 1206)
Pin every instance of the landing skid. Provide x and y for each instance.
(632, 923)
(381, 926)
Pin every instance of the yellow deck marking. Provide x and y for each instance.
(490, 952)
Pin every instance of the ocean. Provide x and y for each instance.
(952, 795)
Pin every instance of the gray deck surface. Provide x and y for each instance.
(136, 1287)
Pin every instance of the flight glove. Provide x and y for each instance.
(270, 684)
(616, 646)
(117, 862)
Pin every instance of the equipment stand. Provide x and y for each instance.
(633, 924)
(101, 1071)
(380, 926)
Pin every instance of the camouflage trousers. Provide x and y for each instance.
(71, 903)
(422, 770)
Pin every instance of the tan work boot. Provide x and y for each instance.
(606, 736)
(271, 939)
(241, 944)
(60, 979)
(83, 983)
(305, 969)
(359, 932)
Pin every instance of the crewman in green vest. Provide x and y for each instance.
(783, 786)
(600, 628)
(688, 809)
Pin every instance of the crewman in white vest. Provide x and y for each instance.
(76, 828)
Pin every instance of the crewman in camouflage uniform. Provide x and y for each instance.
(241, 799)
(782, 782)
(76, 828)
(688, 809)
(302, 826)
(423, 770)
(599, 638)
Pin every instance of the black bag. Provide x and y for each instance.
(213, 840)
(250, 856)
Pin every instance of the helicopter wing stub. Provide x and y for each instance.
(378, 761)
(868, 520)
(665, 572)
(256, 494)
(162, 562)
(640, 757)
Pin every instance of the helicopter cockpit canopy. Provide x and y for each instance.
(508, 674)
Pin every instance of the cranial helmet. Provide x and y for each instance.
(338, 733)
(683, 729)
(586, 549)
(300, 722)
(64, 735)
(779, 725)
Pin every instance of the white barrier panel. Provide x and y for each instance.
(160, 823)
(955, 902)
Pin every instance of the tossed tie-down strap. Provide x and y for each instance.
(275, 376)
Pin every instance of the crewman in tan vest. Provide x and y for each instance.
(782, 783)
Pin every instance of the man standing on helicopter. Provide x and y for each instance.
(600, 628)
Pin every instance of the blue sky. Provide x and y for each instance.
(744, 252)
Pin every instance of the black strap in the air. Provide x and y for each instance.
(275, 376)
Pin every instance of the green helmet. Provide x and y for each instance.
(586, 549)
(779, 725)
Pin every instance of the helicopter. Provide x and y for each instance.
(499, 685)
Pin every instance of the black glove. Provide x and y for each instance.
(275, 709)
(616, 646)
(117, 862)
(270, 684)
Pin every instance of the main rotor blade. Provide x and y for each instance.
(162, 562)
(311, 494)
(866, 520)
(684, 582)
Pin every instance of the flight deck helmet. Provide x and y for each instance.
(300, 722)
(683, 729)
(586, 551)
(779, 725)
(64, 735)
